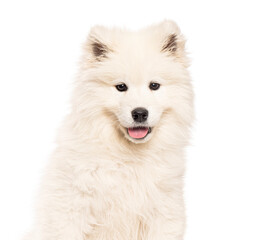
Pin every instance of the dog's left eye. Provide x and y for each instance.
(121, 87)
(154, 86)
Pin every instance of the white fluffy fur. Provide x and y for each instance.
(100, 184)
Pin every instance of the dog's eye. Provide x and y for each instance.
(121, 87)
(154, 86)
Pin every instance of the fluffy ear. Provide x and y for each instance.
(97, 44)
(99, 49)
(170, 44)
(173, 42)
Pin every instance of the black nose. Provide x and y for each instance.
(140, 114)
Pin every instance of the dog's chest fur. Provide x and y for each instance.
(130, 194)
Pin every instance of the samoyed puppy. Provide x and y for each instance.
(117, 171)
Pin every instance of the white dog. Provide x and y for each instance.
(117, 171)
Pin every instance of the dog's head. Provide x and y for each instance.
(138, 81)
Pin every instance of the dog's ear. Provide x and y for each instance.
(170, 44)
(173, 42)
(97, 45)
(99, 49)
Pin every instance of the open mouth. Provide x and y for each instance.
(138, 132)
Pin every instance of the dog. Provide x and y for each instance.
(117, 171)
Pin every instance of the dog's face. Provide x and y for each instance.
(138, 80)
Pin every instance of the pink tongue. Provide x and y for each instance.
(138, 132)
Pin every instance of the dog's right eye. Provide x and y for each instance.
(121, 87)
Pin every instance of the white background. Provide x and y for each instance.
(231, 178)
